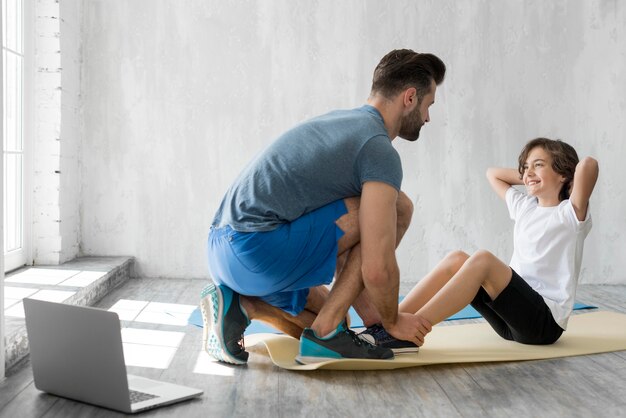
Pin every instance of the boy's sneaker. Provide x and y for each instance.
(224, 324)
(343, 343)
(377, 335)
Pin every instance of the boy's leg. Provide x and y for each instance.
(482, 303)
(433, 282)
(423, 291)
(482, 269)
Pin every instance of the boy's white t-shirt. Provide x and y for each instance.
(548, 249)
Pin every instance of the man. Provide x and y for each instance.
(323, 200)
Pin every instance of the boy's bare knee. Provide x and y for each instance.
(495, 274)
(482, 260)
(482, 256)
(456, 259)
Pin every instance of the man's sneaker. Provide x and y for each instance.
(343, 343)
(377, 335)
(224, 324)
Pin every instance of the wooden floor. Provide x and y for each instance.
(568, 387)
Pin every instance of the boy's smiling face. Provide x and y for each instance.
(540, 178)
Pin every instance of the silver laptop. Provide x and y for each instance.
(76, 352)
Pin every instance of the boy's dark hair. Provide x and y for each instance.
(404, 68)
(564, 160)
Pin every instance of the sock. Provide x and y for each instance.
(335, 331)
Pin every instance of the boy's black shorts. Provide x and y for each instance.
(519, 313)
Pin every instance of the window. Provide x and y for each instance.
(13, 135)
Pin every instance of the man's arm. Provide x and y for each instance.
(378, 220)
(381, 275)
(585, 179)
(501, 179)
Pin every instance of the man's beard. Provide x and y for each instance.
(411, 125)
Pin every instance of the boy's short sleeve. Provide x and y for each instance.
(569, 217)
(518, 202)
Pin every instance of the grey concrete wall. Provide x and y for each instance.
(178, 96)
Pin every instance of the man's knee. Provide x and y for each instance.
(405, 210)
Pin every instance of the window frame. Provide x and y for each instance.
(23, 256)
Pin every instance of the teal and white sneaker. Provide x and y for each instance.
(224, 324)
(343, 343)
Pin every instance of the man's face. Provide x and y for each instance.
(413, 122)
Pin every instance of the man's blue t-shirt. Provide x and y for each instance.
(315, 163)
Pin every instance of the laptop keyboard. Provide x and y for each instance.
(136, 396)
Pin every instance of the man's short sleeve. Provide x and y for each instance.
(379, 161)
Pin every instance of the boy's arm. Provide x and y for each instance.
(585, 179)
(501, 179)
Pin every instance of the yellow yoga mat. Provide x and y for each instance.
(589, 333)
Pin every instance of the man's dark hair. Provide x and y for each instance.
(401, 69)
(564, 160)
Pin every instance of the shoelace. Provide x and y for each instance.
(377, 331)
(358, 340)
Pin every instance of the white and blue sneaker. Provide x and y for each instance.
(224, 324)
(341, 344)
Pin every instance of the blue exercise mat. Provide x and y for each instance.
(257, 327)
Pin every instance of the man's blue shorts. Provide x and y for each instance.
(279, 266)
